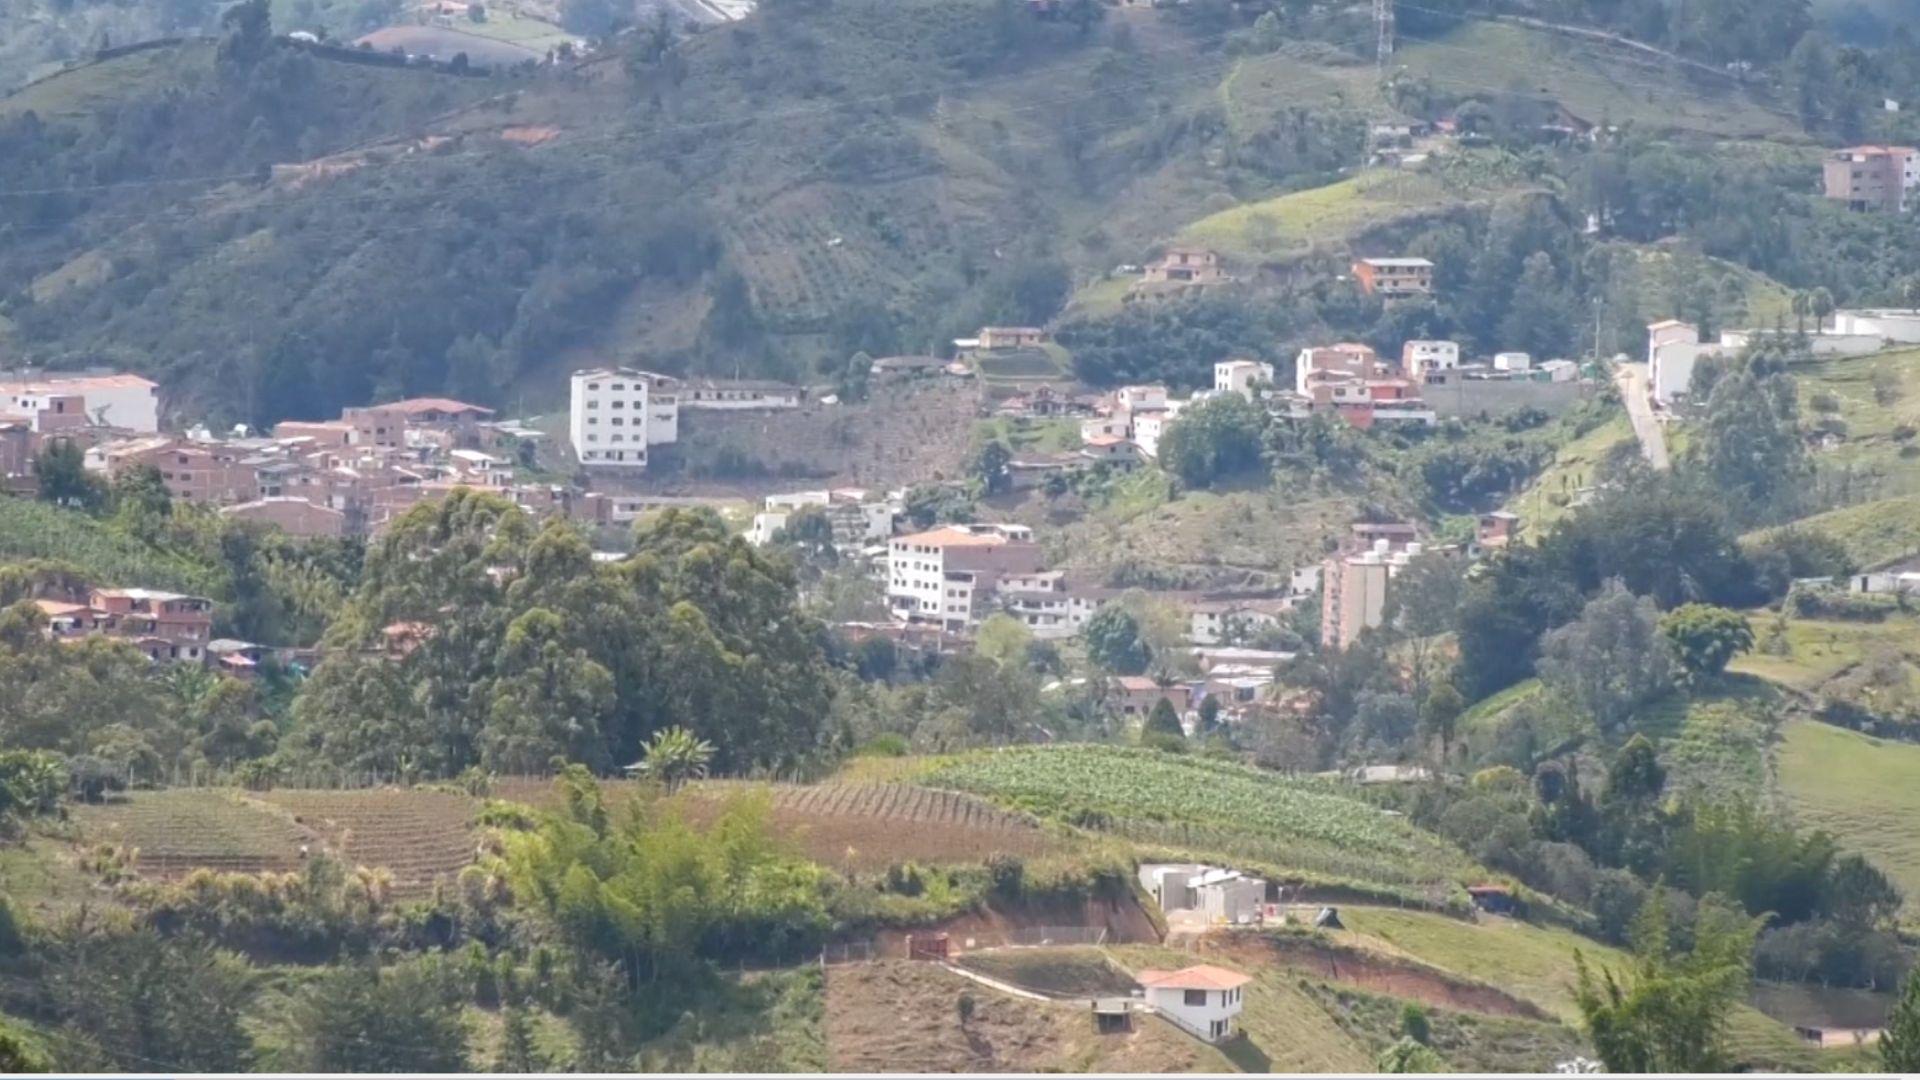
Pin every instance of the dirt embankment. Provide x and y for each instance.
(1124, 921)
(902, 1016)
(1371, 972)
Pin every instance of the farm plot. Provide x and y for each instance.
(1208, 805)
(180, 831)
(420, 836)
(858, 826)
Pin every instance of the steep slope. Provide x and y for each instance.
(762, 197)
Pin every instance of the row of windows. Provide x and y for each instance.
(638, 403)
(617, 421)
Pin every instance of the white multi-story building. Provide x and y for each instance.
(1419, 357)
(941, 575)
(1136, 398)
(857, 519)
(615, 415)
(1049, 604)
(1345, 361)
(1241, 376)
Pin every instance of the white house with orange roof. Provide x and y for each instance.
(1203, 999)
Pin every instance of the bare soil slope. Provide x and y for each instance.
(900, 1015)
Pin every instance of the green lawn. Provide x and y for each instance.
(1865, 791)
(1286, 1029)
(537, 34)
(1873, 533)
(1102, 298)
(1549, 498)
(1817, 650)
(1878, 397)
(80, 94)
(1294, 223)
(1596, 83)
(1536, 963)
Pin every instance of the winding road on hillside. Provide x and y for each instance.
(1632, 379)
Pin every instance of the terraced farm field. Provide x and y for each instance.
(180, 831)
(862, 826)
(419, 835)
(1210, 806)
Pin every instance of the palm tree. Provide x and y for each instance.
(674, 757)
(1821, 304)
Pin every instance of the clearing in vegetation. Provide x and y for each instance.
(1596, 82)
(1208, 805)
(1536, 963)
(1064, 971)
(1863, 790)
(899, 1014)
(1874, 534)
(1808, 653)
(1878, 400)
(1295, 223)
(1551, 495)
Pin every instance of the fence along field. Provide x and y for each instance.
(425, 835)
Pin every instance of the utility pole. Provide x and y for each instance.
(1383, 34)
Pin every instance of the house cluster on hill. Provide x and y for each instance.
(37, 409)
(168, 627)
(344, 477)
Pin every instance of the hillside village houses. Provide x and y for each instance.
(1185, 266)
(1394, 278)
(168, 627)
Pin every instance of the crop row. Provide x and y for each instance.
(1095, 784)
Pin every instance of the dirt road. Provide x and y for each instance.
(1633, 388)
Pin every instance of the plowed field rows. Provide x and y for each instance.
(418, 835)
(858, 825)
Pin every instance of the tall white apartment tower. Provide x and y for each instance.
(615, 414)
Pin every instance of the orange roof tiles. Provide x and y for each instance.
(949, 536)
(412, 406)
(1197, 977)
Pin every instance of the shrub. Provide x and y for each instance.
(1413, 1024)
(885, 744)
(1007, 875)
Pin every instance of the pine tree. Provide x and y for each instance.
(1900, 1044)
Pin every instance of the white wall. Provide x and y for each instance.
(1221, 1005)
(1900, 326)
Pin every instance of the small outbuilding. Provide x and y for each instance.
(1494, 899)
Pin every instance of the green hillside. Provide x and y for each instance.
(1873, 533)
(1854, 786)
